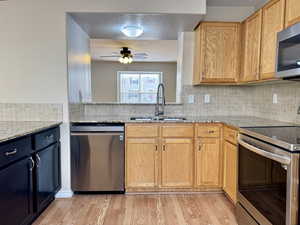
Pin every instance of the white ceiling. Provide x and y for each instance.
(156, 26)
(157, 50)
(236, 3)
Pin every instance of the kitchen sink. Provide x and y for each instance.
(155, 118)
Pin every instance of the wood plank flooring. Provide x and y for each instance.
(171, 209)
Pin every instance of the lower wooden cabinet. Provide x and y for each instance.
(181, 157)
(230, 170)
(208, 162)
(141, 162)
(177, 163)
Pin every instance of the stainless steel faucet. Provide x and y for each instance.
(160, 100)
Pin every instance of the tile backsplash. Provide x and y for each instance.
(30, 112)
(224, 101)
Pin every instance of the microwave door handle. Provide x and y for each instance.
(275, 157)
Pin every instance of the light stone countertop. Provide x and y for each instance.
(14, 129)
(236, 121)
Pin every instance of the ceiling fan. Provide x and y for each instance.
(125, 55)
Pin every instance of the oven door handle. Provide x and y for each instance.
(275, 157)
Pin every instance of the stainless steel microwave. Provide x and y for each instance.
(288, 53)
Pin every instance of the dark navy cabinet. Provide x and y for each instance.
(29, 176)
(16, 193)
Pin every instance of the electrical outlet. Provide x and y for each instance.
(191, 99)
(275, 98)
(207, 98)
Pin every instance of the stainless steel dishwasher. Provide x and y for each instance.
(97, 157)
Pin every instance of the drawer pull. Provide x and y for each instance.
(164, 148)
(49, 136)
(11, 152)
(38, 160)
(211, 131)
(32, 164)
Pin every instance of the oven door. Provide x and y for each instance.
(266, 188)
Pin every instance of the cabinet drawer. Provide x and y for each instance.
(230, 135)
(14, 150)
(142, 131)
(46, 138)
(208, 131)
(177, 131)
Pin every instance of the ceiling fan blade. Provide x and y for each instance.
(109, 56)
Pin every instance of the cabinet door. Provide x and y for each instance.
(177, 162)
(141, 157)
(292, 13)
(16, 193)
(273, 22)
(220, 48)
(230, 170)
(47, 175)
(252, 47)
(208, 170)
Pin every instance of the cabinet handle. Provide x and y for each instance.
(211, 131)
(156, 147)
(200, 147)
(11, 152)
(164, 148)
(39, 160)
(32, 164)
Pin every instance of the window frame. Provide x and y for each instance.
(139, 92)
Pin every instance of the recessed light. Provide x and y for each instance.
(132, 31)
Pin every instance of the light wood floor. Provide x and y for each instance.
(188, 209)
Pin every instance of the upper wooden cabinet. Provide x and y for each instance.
(252, 43)
(272, 22)
(292, 12)
(217, 53)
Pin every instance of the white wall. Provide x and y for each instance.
(79, 63)
(33, 61)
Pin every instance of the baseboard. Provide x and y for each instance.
(64, 194)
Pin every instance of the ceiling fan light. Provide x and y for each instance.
(132, 31)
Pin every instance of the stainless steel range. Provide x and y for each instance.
(268, 180)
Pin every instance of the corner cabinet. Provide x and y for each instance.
(216, 58)
(272, 23)
(292, 12)
(230, 163)
(251, 46)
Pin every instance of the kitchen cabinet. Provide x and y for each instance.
(216, 58)
(29, 176)
(252, 44)
(208, 161)
(292, 12)
(272, 23)
(141, 162)
(159, 156)
(16, 195)
(230, 163)
(177, 162)
(47, 175)
(208, 154)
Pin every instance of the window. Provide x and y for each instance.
(138, 87)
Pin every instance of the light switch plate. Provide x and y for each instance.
(207, 98)
(191, 99)
(275, 98)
